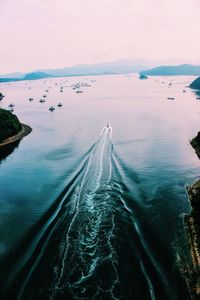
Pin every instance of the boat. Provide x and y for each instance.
(184, 91)
(170, 98)
(12, 109)
(60, 105)
(75, 86)
(30, 99)
(11, 105)
(79, 91)
(42, 100)
(44, 96)
(198, 98)
(52, 108)
(85, 84)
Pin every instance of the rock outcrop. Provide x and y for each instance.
(142, 76)
(195, 84)
(192, 225)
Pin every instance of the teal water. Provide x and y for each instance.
(93, 212)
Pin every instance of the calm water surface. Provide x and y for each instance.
(94, 212)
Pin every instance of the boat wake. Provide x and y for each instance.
(87, 245)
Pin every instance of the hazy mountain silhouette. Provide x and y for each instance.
(36, 75)
(124, 66)
(29, 76)
(173, 70)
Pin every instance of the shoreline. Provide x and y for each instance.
(24, 132)
(192, 230)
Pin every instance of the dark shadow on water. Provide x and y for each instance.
(6, 150)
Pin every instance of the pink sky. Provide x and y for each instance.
(58, 33)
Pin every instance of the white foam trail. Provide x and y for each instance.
(108, 130)
(103, 129)
(71, 224)
(111, 131)
(90, 182)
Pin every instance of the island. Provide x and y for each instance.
(192, 227)
(195, 84)
(142, 76)
(11, 130)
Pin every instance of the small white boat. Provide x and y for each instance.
(52, 108)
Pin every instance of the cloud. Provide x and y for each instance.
(56, 33)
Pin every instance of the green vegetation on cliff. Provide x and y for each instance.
(9, 124)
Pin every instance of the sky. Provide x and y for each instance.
(39, 34)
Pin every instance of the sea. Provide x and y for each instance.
(92, 201)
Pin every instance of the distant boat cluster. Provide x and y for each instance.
(78, 87)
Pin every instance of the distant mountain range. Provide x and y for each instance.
(29, 76)
(116, 67)
(36, 75)
(185, 69)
